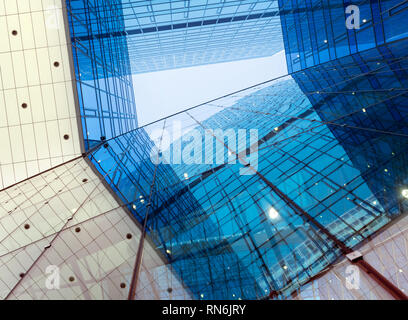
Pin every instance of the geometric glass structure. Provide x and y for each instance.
(270, 192)
(172, 34)
(321, 185)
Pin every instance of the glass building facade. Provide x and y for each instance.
(164, 34)
(102, 69)
(315, 31)
(321, 161)
(172, 34)
(329, 174)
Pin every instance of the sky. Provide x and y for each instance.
(163, 93)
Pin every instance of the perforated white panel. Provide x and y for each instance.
(37, 106)
(61, 222)
(66, 219)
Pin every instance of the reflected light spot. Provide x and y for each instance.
(405, 193)
(273, 214)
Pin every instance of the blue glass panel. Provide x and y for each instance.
(331, 163)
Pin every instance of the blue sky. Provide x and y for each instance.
(159, 94)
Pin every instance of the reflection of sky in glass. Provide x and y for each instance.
(174, 34)
(331, 155)
(223, 218)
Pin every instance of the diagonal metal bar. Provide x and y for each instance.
(139, 256)
(361, 263)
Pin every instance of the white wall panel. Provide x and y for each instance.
(387, 252)
(57, 218)
(47, 210)
(32, 138)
